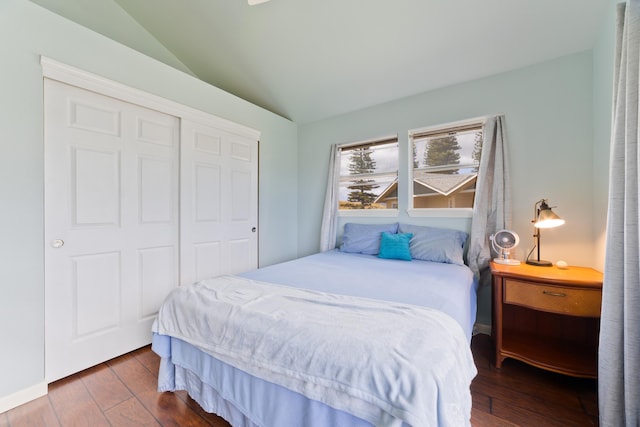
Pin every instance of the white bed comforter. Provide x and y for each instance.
(384, 362)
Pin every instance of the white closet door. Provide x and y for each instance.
(219, 202)
(111, 225)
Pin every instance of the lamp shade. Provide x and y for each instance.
(548, 219)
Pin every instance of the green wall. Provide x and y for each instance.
(109, 19)
(603, 61)
(28, 31)
(549, 116)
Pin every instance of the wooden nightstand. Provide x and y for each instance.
(547, 317)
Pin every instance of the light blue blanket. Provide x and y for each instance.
(447, 287)
(384, 362)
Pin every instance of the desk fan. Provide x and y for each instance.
(503, 242)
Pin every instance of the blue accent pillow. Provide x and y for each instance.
(364, 238)
(395, 246)
(436, 244)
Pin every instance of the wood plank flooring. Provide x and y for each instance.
(519, 394)
(122, 392)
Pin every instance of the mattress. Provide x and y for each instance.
(449, 288)
(248, 400)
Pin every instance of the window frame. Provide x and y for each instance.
(436, 212)
(386, 212)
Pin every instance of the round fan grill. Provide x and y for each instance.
(503, 242)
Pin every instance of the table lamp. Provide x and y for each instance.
(543, 217)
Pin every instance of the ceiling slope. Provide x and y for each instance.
(311, 59)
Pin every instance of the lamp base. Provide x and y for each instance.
(506, 261)
(539, 263)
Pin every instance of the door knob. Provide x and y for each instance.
(57, 243)
(253, 230)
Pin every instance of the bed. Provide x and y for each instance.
(348, 337)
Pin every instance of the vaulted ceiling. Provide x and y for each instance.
(311, 59)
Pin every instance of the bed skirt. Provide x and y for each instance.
(241, 399)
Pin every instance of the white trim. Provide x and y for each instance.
(392, 213)
(23, 396)
(347, 145)
(479, 120)
(55, 70)
(440, 212)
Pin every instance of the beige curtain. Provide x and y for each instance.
(619, 351)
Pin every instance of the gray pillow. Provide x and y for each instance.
(435, 244)
(364, 238)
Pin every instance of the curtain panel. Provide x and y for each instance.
(329, 228)
(492, 204)
(619, 349)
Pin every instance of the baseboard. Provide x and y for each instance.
(23, 396)
(480, 328)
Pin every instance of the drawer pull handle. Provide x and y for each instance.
(554, 294)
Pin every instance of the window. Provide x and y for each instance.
(369, 175)
(445, 166)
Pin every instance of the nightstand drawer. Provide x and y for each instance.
(554, 299)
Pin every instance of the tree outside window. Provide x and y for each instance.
(445, 164)
(443, 151)
(361, 163)
(366, 171)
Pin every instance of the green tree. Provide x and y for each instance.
(360, 162)
(443, 151)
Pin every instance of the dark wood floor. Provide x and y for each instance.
(526, 396)
(122, 392)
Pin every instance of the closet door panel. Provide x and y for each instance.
(95, 187)
(219, 202)
(111, 225)
(157, 276)
(137, 201)
(206, 260)
(207, 195)
(96, 284)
